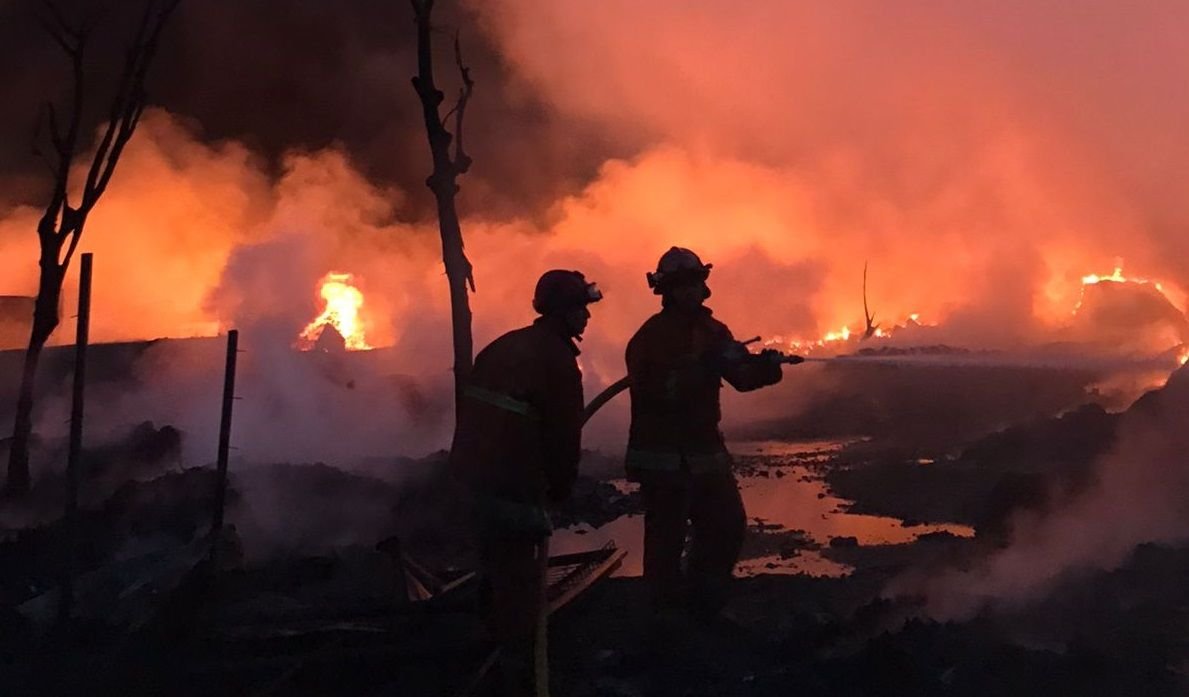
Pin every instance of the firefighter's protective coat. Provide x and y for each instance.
(676, 364)
(520, 423)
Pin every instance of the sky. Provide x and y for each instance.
(981, 159)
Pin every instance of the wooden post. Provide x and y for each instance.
(73, 464)
(224, 440)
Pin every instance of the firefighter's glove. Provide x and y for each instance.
(772, 356)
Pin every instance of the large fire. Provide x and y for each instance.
(343, 302)
(835, 340)
(1174, 295)
(843, 339)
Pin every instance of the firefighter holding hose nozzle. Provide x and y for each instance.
(676, 364)
(516, 448)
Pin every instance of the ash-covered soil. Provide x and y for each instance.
(824, 636)
(303, 602)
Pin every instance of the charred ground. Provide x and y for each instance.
(304, 601)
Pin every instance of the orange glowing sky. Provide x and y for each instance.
(788, 144)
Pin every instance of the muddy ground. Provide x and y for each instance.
(302, 602)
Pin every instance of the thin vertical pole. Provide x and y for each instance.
(224, 437)
(73, 465)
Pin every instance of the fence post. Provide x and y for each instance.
(74, 454)
(224, 441)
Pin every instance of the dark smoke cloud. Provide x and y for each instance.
(280, 75)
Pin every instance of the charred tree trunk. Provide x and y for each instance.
(448, 164)
(61, 226)
(871, 326)
(458, 274)
(45, 321)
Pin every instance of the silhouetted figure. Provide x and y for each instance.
(676, 363)
(517, 447)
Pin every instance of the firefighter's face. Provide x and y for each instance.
(577, 319)
(689, 295)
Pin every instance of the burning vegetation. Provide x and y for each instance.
(981, 492)
(341, 319)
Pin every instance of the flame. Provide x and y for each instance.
(343, 302)
(1175, 296)
(840, 335)
(1116, 277)
(835, 339)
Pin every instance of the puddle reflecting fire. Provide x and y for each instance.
(782, 493)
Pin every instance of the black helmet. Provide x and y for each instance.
(676, 266)
(559, 291)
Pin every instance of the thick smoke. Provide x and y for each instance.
(907, 137)
(283, 74)
(175, 209)
(1138, 496)
(980, 157)
(968, 156)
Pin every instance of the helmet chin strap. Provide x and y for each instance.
(668, 299)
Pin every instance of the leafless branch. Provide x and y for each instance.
(126, 93)
(66, 142)
(462, 162)
(127, 106)
(66, 35)
(56, 135)
(61, 224)
(129, 102)
(47, 121)
(448, 163)
(40, 155)
(870, 318)
(74, 240)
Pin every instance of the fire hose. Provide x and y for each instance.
(622, 384)
(968, 360)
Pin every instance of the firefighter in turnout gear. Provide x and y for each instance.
(676, 364)
(516, 448)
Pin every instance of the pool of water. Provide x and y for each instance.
(784, 493)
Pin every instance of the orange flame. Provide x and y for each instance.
(841, 336)
(343, 302)
(1116, 277)
(1174, 295)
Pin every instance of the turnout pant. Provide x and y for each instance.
(513, 567)
(709, 507)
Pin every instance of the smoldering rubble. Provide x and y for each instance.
(1032, 513)
(308, 542)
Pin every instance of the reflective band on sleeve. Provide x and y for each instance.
(659, 461)
(501, 401)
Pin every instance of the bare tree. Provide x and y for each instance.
(448, 164)
(61, 225)
(871, 328)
